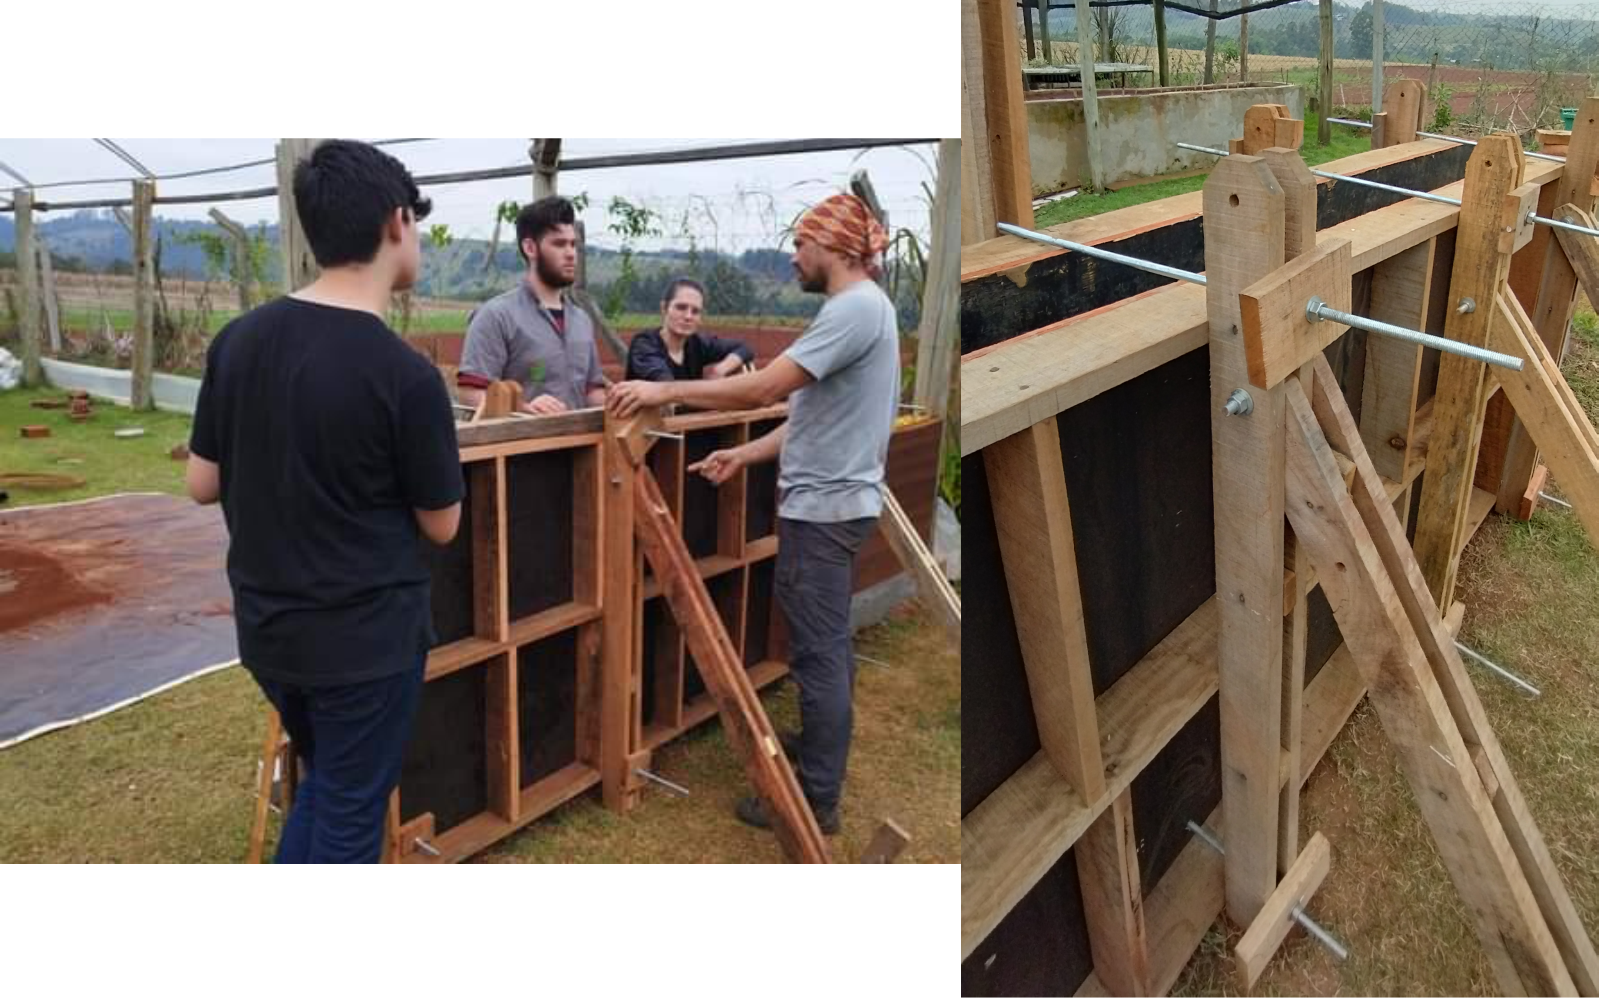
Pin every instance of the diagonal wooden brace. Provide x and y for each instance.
(1373, 607)
(1550, 412)
(1437, 643)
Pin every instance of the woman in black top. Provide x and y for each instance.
(678, 351)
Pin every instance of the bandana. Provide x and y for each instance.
(844, 223)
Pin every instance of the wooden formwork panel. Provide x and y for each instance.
(1132, 414)
(509, 726)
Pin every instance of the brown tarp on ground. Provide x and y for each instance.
(104, 602)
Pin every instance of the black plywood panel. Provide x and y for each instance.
(538, 497)
(1137, 462)
(1181, 784)
(445, 768)
(998, 734)
(1040, 947)
(546, 691)
(760, 490)
(450, 566)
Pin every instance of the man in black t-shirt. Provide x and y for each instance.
(331, 446)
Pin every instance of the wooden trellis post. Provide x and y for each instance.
(242, 271)
(28, 284)
(299, 266)
(142, 396)
(940, 325)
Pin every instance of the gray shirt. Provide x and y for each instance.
(513, 337)
(838, 427)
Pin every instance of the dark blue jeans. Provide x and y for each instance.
(815, 576)
(352, 740)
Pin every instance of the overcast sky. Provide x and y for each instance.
(730, 205)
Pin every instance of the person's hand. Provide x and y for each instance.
(628, 397)
(544, 405)
(719, 466)
(725, 368)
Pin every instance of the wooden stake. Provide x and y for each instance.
(1481, 263)
(936, 592)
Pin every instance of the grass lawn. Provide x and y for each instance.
(1529, 590)
(1346, 141)
(89, 450)
(171, 779)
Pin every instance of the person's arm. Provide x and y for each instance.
(719, 466)
(725, 358)
(768, 386)
(596, 384)
(483, 357)
(646, 359)
(204, 480)
(203, 475)
(429, 460)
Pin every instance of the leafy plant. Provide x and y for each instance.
(632, 222)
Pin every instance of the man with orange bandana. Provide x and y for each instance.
(841, 378)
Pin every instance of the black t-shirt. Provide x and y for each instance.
(328, 431)
(649, 360)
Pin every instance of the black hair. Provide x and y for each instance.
(344, 193)
(535, 219)
(675, 283)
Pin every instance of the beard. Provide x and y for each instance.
(550, 274)
(814, 283)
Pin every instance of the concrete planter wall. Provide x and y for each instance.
(172, 392)
(1138, 129)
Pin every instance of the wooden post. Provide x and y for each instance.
(1376, 55)
(1085, 67)
(860, 185)
(1043, 28)
(1210, 46)
(1245, 240)
(242, 271)
(977, 173)
(940, 325)
(299, 266)
(1007, 114)
(1104, 38)
(618, 685)
(143, 294)
(1481, 259)
(1243, 47)
(1542, 277)
(28, 285)
(47, 287)
(1324, 101)
(1160, 40)
(1027, 24)
(546, 156)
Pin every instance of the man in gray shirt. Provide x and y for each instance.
(842, 381)
(534, 334)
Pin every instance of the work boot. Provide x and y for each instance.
(752, 811)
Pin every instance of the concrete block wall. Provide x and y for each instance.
(1138, 129)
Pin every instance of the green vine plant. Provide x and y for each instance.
(632, 222)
